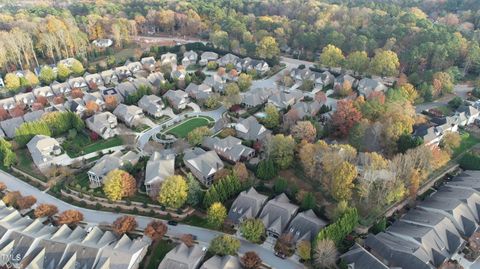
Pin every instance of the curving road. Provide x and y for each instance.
(95, 217)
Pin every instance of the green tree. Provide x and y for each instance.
(174, 192)
(407, 141)
(357, 61)
(266, 169)
(342, 227)
(280, 185)
(244, 82)
(196, 136)
(63, 72)
(385, 63)
(47, 75)
(331, 56)
(224, 245)
(220, 39)
(304, 249)
(77, 68)
(253, 230)
(7, 156)
(342, 181)
(232, 95)
(281, 150)
(308, 201)
(216, 215)
(268, 48)
(12, 82)
(195, 192)
(272, 116)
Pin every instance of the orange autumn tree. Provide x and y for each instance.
(156, 230)
(111, 102)
(45, 210)
(77, 93)
(26, 202)
(124, 224)
(70, 217)
(344, 118)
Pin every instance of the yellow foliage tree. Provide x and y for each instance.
(118, 184)
(216, 214)
(342, 181)
(174, 192)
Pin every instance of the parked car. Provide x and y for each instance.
(172, 223)
(280, 255)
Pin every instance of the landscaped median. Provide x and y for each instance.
(82, 144)
(182, 129)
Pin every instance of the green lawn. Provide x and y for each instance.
(157, 255)
(25, 163)
(82, 145)
(446, 110)
(181, 130)
(468, 141)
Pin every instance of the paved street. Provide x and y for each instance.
(460, 90)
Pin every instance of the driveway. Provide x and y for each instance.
(95, 217)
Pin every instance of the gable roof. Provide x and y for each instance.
(247, 205)
(359, 258)
(183, 257)
(158, 169)
(225, 262)
(277, 213)
(305, 226)
(206, 162)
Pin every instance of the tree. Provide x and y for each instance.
(304, 130)
(232, 95)
(119, 184)
(240, 171)
(220, 39)
(156, 230)
(325, 254)
(414, 183)
(385, 63)
(12, 82)
(266, 169)
(331, 56)
(308, 201)
(124, 224)
(224, 245)
(216, 215)
(195, 192)
(47, 75)
(409, 92)
(304, 249)
(357, 61)
(7, 156)
(111, 102)
(307, 85)
(212, 65)
(31, 78)
(272, 116)
(285, 244)
(174, 192)
(3, 187)
(76, 93)
(268, 48)
(250, 260)
(253, 230)
(11, 198)
(281, 150)
(244, 82)
(70, 217)
(343, 226)
(344, 118)
(77, 68)
(196, 136)
(45, 210)
(442, 83)
(456, 102)
(450, 141)
(63, 72)
(342, 181)
(26, 202)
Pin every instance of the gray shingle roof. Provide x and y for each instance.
(277, 213)
(183, 257)
(225, 262)
(305, 226)
(247, 205)
(360, 258)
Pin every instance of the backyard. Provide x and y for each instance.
(468, 141)
(82, 144)
(158, 252)
(182, 129)
(25, 164)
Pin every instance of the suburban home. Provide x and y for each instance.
(109, 77)
(2, 84)
(26, 99)
(44, 92)
(230, 148)
(61, 88)
(159, 167)
(305, 109)
(9, 126)
(431, 135)
(122, 72)
(152, 105)
(126, 89)
(203, 164)
(67, 62)
(247, 205)
(178, 99)
(148, 63)
(111, 92)
(276, 215)
(324, 79)
(208, 56)
(183, 257)
(225, 262)
(366, 86)
(130, 115)
(250, 129)
(189, 58)
(33, 115)
(305, 226)
(256, 97)
(156, 79)
(300, 75)
(76, 105)
(134, 67)
(43, 150)
(8, 103)
(169, 59)
(216, 82)
(95, 97)
(359, 258)
(102, 43)
(228, 59)
(109, 163)
(339, 81)
(470, 112)
(94, 81)
(199, 92)
(78, 83)
(141, 82)
(103, 124)
(39, 245)
(248, 64)
(179, 73)
(284, 100)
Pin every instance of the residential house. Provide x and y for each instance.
(178, 74)
(152, 105)
(208, 56)
(225, 262)
(276, 215)
(169, 59)
(199, 92)
(141, 82)
(323, 80)
(135, 67)
(130, 115)
(67, 62)
(76, 105)
(284, 100)
(250, 129)
(9, 126)
(306, 109)
(229, 148)
(156, 79)
(78, 83)
(8, 103)
(247, 205)
(44, 92)
(148, 63)
(33, 115)
(94, 81)
(61, 88)
(109, 163)
(256, 97)
(203, 164)
(102, 43)
(183, 257)
(300, 75)
(339, 81)
(217, 82)
(95, 97)
(305, 226)
(26, 99)
(126, 89)
(367, 86)
(431, 135)
(109, 77)
(103, 124)
(248, 64)
(122, 72)
(359, 258)
(44, 150)
(158, 169)
(189, 58)
(178, 99)
(470, 112)
(228, 59)
(105, 92)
